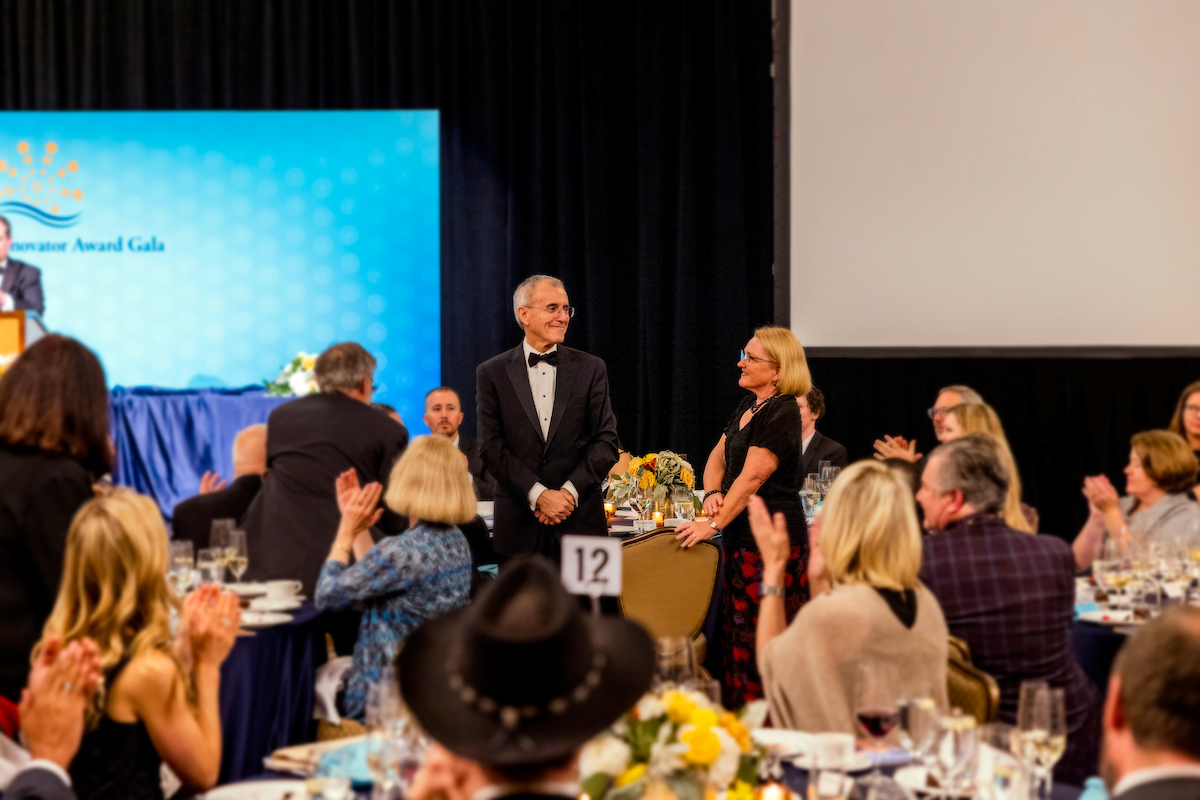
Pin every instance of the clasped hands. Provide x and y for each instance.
(554, 506)
(897, 447)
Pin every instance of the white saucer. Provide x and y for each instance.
(263, 619)
(274, 604)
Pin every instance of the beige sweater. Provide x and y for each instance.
(809, 670)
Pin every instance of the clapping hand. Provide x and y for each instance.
(897, 447)
(211, 482)
(359, 505)
(211, 618)
(1100, 493)
(770, 533)
(61, 684)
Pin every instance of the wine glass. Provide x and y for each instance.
(179, 570)
(1041, 731)
(875, 702)
(676, 657)
(682, 497)
(825, 473)
(918, 726)
(810, 498)
(954, 750)
(239, 558)
(218, 542)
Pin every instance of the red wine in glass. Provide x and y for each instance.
(878, 723)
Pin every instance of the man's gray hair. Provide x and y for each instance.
(342, 367)
(972, 466)
(967, 394)
(524, 293)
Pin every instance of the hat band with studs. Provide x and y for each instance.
(510, 716)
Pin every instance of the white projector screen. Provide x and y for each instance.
(995, 173)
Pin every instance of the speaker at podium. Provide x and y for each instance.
(18, 330)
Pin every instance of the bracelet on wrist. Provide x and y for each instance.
(710, 493)
(767, 590)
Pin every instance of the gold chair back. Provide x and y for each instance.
(970, 688)
(665, 587)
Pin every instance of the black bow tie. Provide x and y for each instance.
(550, 358)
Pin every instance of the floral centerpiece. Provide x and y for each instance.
(656, 475)
(678, 743)
(296, 378)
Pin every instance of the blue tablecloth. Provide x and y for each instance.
(166, 438)
(267, 693)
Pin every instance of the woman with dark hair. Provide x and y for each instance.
(1186, 421)
(53, 445)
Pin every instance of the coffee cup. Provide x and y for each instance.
(283, 590)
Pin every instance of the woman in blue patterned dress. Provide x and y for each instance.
(403, 580)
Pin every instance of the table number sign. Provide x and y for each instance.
(591, 565)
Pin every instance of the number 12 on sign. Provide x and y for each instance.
(591, 565)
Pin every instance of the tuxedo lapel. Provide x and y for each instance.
(518, 375)
(810, 455)
(564, 382)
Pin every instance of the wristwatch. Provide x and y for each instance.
(712, 523)
(766, 590)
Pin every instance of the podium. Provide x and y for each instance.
(18, 330)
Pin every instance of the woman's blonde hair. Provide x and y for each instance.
(982, 418)
(869, 531)
(114, 586)
(782, 347)
(1166, 459)
(431, 482)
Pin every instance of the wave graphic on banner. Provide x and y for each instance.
(40, 215)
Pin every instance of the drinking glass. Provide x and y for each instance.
(208, 569)
(998, 773)
(1041, 732)
(676, 661)
(918, 726)
(682, 497)
(218, 542)
(954, 750)
(179, 571)
(810, 498)
(875, 702)
(826, 476)
(239, 559)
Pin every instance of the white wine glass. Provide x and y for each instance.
(1041, 732)
(218, 542)
(239, 559)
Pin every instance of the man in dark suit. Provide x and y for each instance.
(193, 518)
(293, 521)
(20, 283)
(61, 685)
(816, 447)
(547, 433)
(1008, 594)
(444, 415)
(1152, 715)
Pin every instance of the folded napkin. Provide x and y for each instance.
(347, 762)
(330, 677)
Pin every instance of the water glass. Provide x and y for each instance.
(954, 751)
(682, 498)
(208, 569)
(825, 475)
(919, 726)
(998, 774)
(676, 658)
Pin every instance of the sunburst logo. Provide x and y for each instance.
(34, 187)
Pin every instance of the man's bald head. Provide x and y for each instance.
(250, 451)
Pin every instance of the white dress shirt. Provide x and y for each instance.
(804, 443)
(542, 380)
(6, 300)
(14, 760)
(1143, 776)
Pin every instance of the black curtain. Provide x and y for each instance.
(1064, 417)
(622, 145)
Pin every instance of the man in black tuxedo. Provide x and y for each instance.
(193, 518)
(20, 283)
(817, 448)
(1152, 714)
(444, 415)
(547, 433)
(310, 441)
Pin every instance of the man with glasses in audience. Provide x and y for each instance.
(546, 429)
(1152, 715)
(948, 398)
(1009, 595)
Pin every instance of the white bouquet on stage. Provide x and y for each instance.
(296, 379)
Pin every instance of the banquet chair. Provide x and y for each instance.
(666, 588)
(327, 730)
(970, 688)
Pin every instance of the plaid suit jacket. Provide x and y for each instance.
(1011, 597)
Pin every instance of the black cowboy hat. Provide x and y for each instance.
(522, 676)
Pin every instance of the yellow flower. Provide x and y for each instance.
(704, 747)
(741, 791)
(679, 707)
(634, 465)
(630, 775)
(702, 718)
(649, 478)
(308, 362)
(738, 731)
(689, 480)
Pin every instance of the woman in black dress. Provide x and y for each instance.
(53, 446)
(759, 453)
